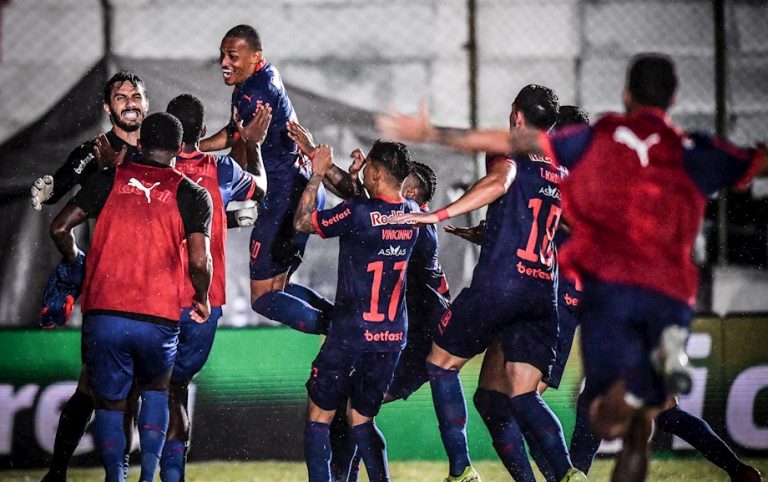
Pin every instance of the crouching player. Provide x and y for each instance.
(225, 181)
(369, 321)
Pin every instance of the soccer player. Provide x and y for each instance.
(514, 281)
(369, 320)
(635, 199)
(276, 249)
(225, 181)
(126, 104)
(131, 285)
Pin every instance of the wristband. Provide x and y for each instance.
(442, 214)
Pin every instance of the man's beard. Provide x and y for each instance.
(116, 120)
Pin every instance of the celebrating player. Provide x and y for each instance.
(224, 180)
(369, 320)
(125, 101)
(276, 248)
(131, 297)
(518, 295)
(126, 104)
(635, 199)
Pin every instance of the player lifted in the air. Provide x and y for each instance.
(369, 322)
(635, 199)
(276, 249)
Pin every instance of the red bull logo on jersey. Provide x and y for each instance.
(135, 186)
(396, 234)
(533, 272)
(335, 219)
(386, 336)
(379, 219)
(194, 170)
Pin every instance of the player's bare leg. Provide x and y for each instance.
(261, 287)
(632, 462)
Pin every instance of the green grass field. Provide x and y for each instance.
(686, 469)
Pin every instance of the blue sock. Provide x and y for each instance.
(699, 434)
(172, 461)
(292, 311)
(317, 451)
(110, 442)
(373, 449)
(344, 457)
(451, 410)
(585, 442)
(542, 428)
(310, 296)
(153, 425)
(541, 459)
(507, 439)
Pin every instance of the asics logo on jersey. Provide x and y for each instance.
(392, 251)
(550, 191)
(336, 218)
(379, 219)
(83, 162)
(625, 136)
(133, 182)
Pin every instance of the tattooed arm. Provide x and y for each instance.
(322, 159)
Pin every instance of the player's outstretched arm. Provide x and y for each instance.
(473, 234)
(500, 176)
(419, 128)
(254, 134)
(321, 162)
(220, 140)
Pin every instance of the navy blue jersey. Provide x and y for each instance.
(428, 292)
(282, 161)
(374, 249)
(517, 251)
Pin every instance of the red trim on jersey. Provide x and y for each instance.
(757, 160)
(316, 225)
(546, 147)
(493, 159)
(252, 189)
(424, 207)
(190, 155)
(390, 201)
(443, 288)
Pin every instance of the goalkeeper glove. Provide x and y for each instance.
(64, 286)
(41, 191)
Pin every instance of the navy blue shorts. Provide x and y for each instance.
(195, 342)
(620, 326)
(525, 323)
(411, 371)
(568, 321)
(275, 247)
(116, 350)
(362, 377)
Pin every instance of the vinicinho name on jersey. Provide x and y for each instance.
(396, 234)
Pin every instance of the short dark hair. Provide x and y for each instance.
(119, 78)
(652, 81)
(539, 105)
(393, 156)
(191, 113)
(161, 130)
(247, 33)
(571, 115)
(426, 177)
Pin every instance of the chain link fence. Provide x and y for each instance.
(466, 58)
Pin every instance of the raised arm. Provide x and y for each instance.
(220, 140)
(419, 128)
(321, 161)
(493, 185)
